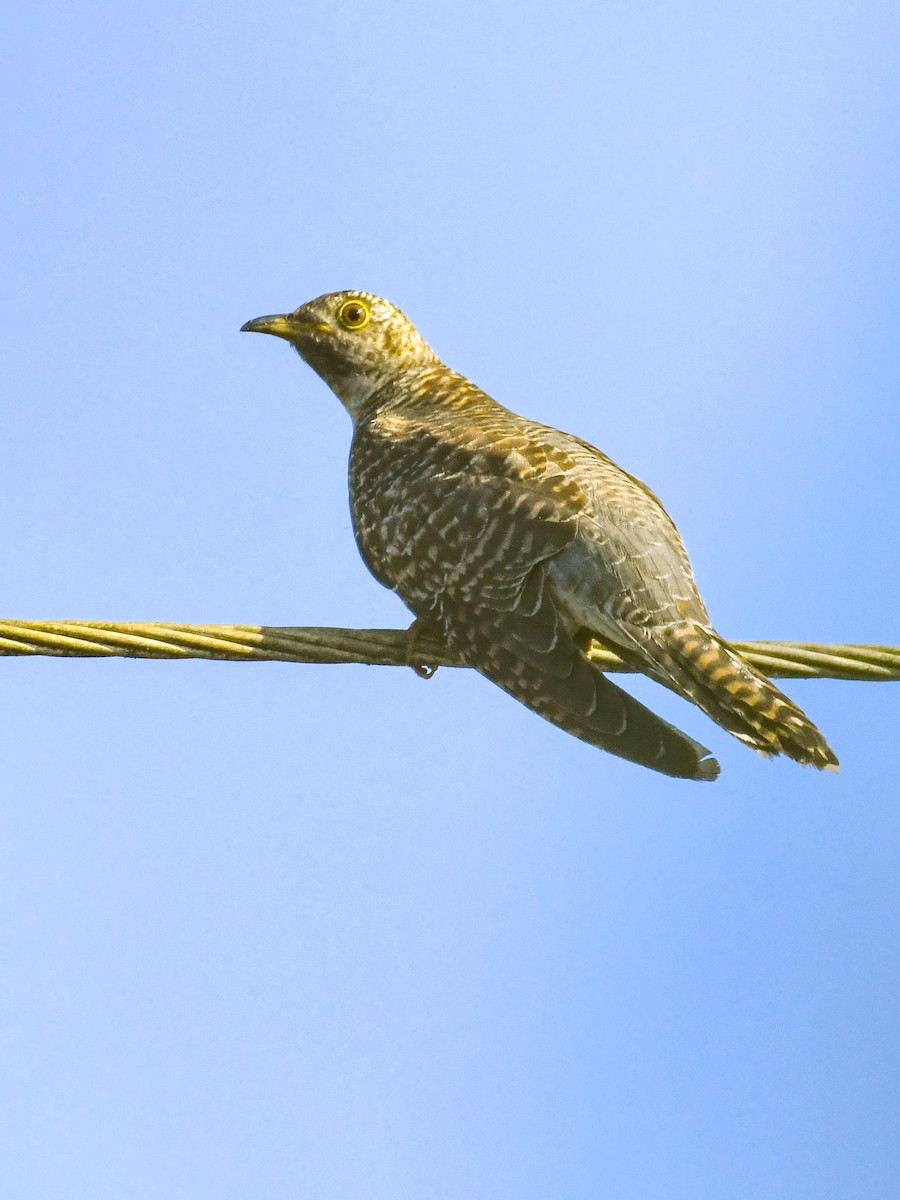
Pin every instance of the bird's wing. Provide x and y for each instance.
(468, 539)
(626, 578)
(529, 650)
(628, 550)
(434, 516)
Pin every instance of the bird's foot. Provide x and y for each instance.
(420, 628)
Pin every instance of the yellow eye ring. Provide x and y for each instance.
(354, 314)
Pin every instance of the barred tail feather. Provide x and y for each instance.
(705, 669)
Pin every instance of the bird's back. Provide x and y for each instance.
(518, 544)
(521, 543)
(442, 475)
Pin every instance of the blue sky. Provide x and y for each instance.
(332, 932)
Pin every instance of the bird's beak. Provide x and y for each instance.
(283, 325)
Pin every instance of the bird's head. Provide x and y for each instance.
(356, 342)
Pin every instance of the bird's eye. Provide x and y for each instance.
(354, 314)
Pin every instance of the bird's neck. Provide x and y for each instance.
(361, 391)
(413, 387)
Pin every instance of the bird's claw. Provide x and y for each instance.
(417, 630)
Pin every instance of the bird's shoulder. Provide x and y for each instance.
(461, 495)
(454, 430)
(449, 460)
(439, 439)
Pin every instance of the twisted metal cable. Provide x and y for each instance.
(379, 647)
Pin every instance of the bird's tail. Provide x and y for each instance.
(577, 697)
(614, 721)
(703, 667)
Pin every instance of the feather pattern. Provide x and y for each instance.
(519, 543)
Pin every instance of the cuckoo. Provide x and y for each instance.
(518, 545)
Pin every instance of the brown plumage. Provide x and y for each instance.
(518, 544)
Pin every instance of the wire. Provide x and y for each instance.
(378, 647)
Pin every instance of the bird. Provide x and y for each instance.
(519, 546)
